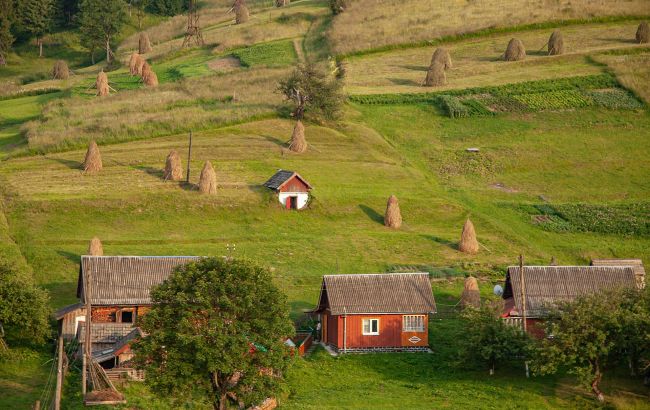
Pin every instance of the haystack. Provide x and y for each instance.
(393, 216)
(144, 46)
(241, 12)
(149, 77)
(643, 33)
(95, 247)
(468, 242)
(435, 75)
(556, 43)
(136, 61)
(208, 179)
(60, 70)
(139, 65)
(515, 51)
(93, 161)
(101, 84)
(282, 3)
(470, 296)
(173, 167)
(298, 143)
(442, 56)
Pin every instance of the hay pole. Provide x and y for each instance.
(189, 158)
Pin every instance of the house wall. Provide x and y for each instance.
(390, 332)
(303, 198)
(69, 323)
(294, 185)
(109, 314)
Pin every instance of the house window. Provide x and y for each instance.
(126, 316)
(413, 323)
(370, 327)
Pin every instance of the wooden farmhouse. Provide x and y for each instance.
(376, 312)
(546, 286)
(636, 264)
(291, 188)
(117, 289)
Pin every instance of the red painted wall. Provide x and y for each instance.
(390, 332)
(294, 185)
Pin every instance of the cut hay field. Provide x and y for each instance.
(478, 62)
(376, 24)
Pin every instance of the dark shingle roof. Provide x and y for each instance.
(549, 285)
(377, 293)
(125, 280)
(282, 177)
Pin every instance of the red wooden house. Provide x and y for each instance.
(376, 312)
(548, 286)
(292, 189)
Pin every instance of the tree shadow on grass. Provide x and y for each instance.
(372, 214)
(68, 163)
(403, 81)
(415, 67)
(630, 40)
(442, 241)
(72, 257)
(275, 140)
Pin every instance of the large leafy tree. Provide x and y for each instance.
(312, 91)
(35, 17)
(218, 326)
(24, 310)
(100, 21)
(168, 7)
(594, 333)
(489, 340)
(6, 38)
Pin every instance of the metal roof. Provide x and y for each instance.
(280, 178)
(377, 293)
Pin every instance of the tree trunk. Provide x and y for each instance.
(595, 384)
(108, 50)
(40, 47)
(92, 57)
(2, 59)
(218, 392)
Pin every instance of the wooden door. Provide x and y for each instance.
(323, 327)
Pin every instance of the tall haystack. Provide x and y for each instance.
(101, 84)
(95, 247)
(442, 56)
(468, 242)
(93, 161)
(282, 3)
(208, 180)
(144, 45)
(556, 43)
(643, 33)
(298, 143)
(149, 77)
(173, 167)
(136, 61)
(515, 51)
(60, 70)
(241, 12)
(393, 216)
(470, 296)
(435, 75)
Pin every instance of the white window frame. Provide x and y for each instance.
(369, 322)
(413, 323)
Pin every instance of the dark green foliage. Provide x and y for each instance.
(453, 107)
(66, 11)
(34, 18)
(616, 99)
(202, 328)
(313, 92)
(489, 340)
(99, 21)
(594, 333)
(6, 39)
(167, 7)
(24, 313)
(338, 6)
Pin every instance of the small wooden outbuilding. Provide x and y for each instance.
(376, 312)
(291, 188)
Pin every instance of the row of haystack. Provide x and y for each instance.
(139, 66)
(174, 172)
(468, 242)
(515, 51)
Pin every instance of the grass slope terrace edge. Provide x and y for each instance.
(491, 31)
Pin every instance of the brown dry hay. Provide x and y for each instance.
(149, 77)
(144, 45)
(173, 167)
(104, 395)
(134, 63)
(208, 179)
(224, 64)
(643, 33)
(468, 242)
(241, 13)
(93, 161)
(471, 295)
(515, 51)
(298, 143)
(393, 216)
(95, 247)
(60, 70)
(435, 76)
(139, 65)
(556, 43)
(442, 56)
(101, 84)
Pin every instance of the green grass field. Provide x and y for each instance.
(550, 163)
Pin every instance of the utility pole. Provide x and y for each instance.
(59, 375)
(87, 356)
(189, 158)
(523, 301)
